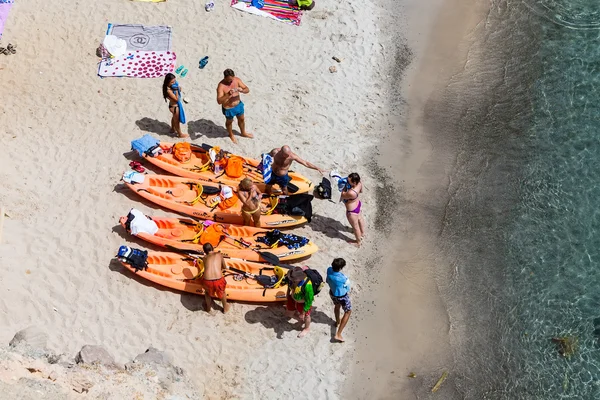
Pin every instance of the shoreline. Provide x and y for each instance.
(409, 328)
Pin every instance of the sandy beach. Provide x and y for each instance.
(66, 135)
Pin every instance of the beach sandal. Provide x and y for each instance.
(12, 48)
(203, 62)
(4, 51)
(137, 167)
(179, 69)
(184, 73)
(209, 6)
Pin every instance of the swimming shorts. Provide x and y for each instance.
(214, 287)
(282, 181)
(292, 305)
(343, 301)
(236, 111)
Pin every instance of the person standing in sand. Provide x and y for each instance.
(172, 92)
(339, 291)
(282, 161)
(250, 197)
(350, 199)
(228, 96)
(300, 296)
(212, 280)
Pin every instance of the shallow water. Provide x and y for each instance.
(522, 226)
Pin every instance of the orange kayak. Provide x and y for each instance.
(200, 167)
(177, 271)
(185, 234)
(190, 197)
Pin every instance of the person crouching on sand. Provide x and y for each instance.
(228, 96)
(339, 291)
(212, 280)
(250, 197)
(172, 92)
(353, 204)
(300, 296)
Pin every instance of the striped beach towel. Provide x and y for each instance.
(5, 6)
(274, 9)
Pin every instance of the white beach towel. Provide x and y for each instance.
(133, 177)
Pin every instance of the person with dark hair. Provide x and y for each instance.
(302, 4)
(300, 296)
(250, 196)
(212, 280)
(172, 92)
(228, 96)
(282, 161)
(350, 199)
(339, 291)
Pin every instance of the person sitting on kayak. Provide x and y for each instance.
(212, 280)
(300, 296)
(282, 161)
(250, 197)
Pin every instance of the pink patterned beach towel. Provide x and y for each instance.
(139, 64)
(5, 6)
(274, 9)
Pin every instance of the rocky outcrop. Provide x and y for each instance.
(28, 369)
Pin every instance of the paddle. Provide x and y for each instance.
(268, 257)
(264, 280)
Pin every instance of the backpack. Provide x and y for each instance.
(316, 279)
(182, 152)
(138, 259)
(323, 189)
(234, 167)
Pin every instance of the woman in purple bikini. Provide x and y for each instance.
(350, 198)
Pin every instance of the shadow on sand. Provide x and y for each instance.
(330, 227)
(207, 128)
(273, 317)
(154, 126)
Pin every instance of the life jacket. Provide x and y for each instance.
(213, 234)
(138, 259)
(276, 238)
(182, 152)
(234, 167)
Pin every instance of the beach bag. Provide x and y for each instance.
(234, 167)
(323, 189)
(138, 259)
(316, 279)
(182, 152)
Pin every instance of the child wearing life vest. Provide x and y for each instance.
(300, 296)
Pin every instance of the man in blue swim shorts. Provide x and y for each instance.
(228, 96)
(282, 160)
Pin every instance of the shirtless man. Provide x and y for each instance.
(282, 160)
(228, 96)
(250, 197)
(212, 280)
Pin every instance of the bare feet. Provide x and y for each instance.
(248, 135)
(304, 332)
(183, 135)
(226, 308)
(339, 339)
(233, 139)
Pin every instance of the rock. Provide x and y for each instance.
(153, 356)
(32, 337)
(81, 384)
(90, 354)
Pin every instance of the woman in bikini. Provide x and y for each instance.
(171, 91)
(250, 197)
(350, 198)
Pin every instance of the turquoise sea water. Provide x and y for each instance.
(522, 228)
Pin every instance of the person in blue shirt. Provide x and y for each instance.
(339, 291)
